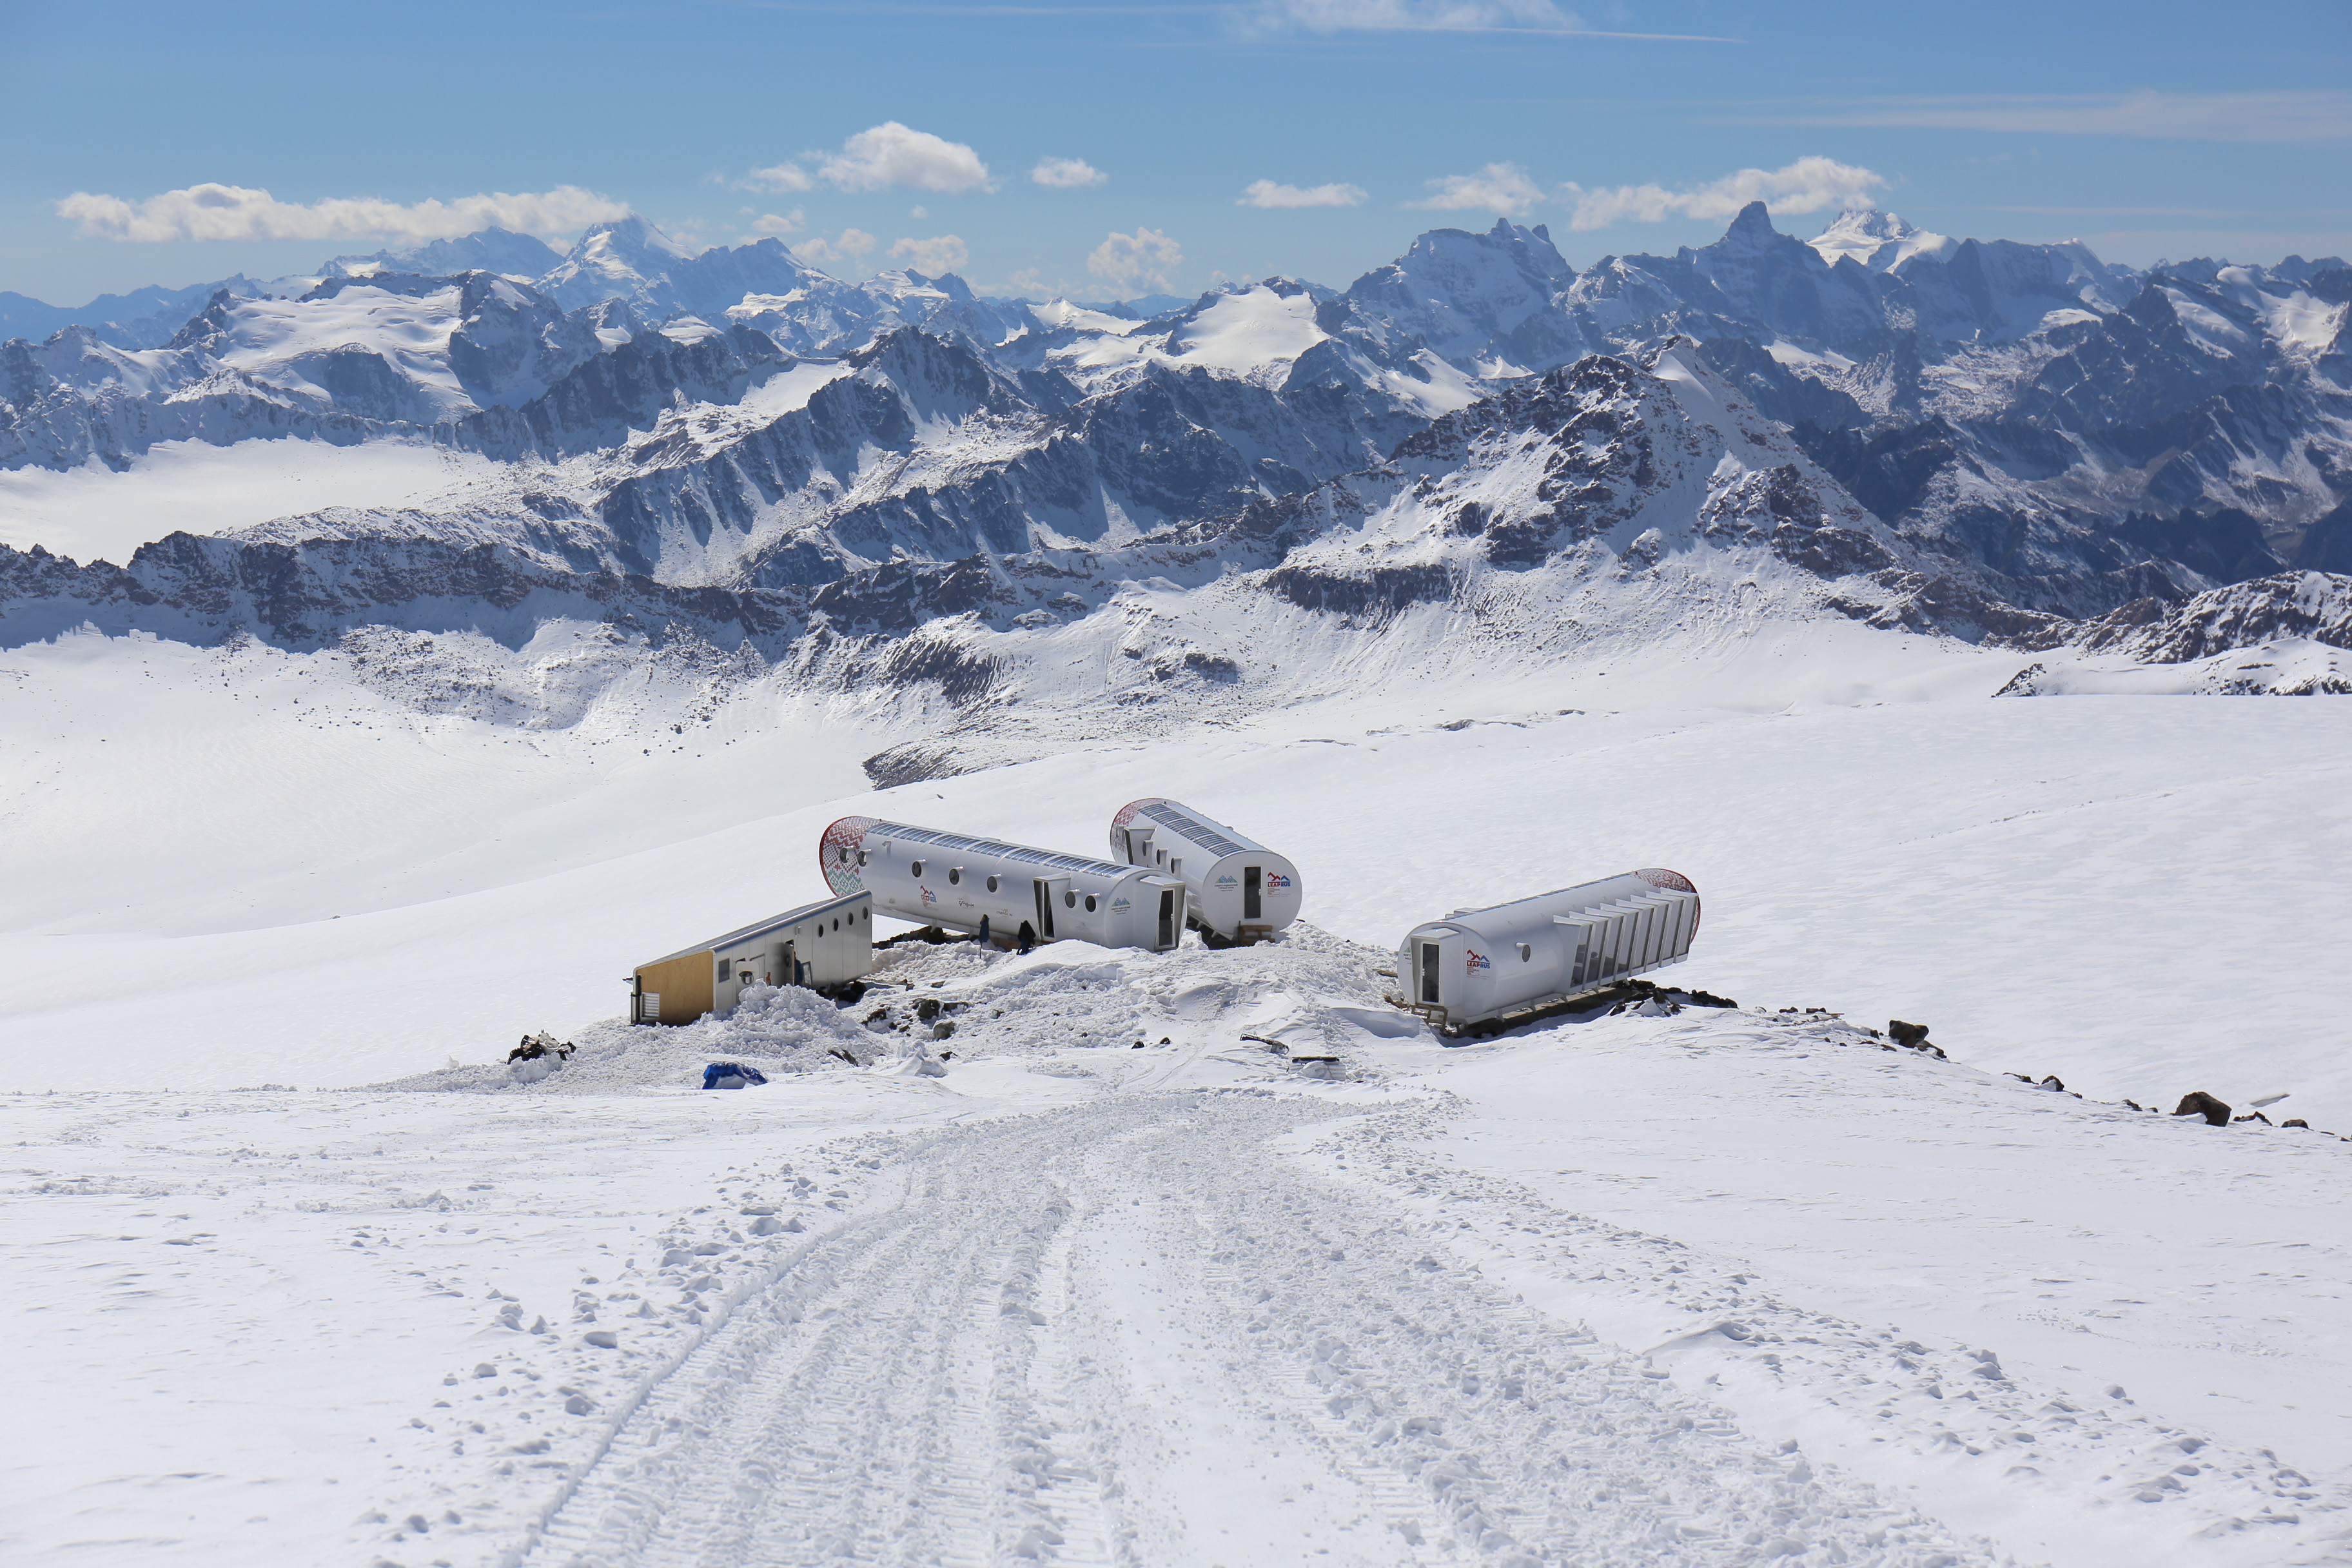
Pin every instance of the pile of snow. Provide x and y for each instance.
(1307, 991)
(778, 1030)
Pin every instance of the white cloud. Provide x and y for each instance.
(1500, 188)
(2288, 115)
(919, 213)
(1266, 194)
(894, 154)
(1068, 174)
(850, 245)
(944, 253)
(792, 222)
(1807, 186)
(235, 211)
(889, 155)
(1135, 262)
(787, 179)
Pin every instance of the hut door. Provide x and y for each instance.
(792, 975)
(1430, 971)
(1253, 884)
(1167, 917)
(1045, 894)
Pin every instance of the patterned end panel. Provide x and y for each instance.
(1127, 815)
(837, 854)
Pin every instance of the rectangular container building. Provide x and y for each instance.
(817, 946)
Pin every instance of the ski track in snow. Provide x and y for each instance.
(1120, 1333)
(1085, 1303)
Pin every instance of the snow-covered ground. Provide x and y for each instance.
(1711, 1287)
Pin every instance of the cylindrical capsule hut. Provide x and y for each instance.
(1478, 964)
(1242, 891)
(948, 880)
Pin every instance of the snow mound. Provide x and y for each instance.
(778, 1030)
(1307, 983)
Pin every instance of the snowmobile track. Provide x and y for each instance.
(1043, 1308)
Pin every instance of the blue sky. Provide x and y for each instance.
(2150, 130)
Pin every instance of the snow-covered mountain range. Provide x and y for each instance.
(1978, 439)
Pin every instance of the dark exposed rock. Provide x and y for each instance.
(1375, 596)
(2215, 1114)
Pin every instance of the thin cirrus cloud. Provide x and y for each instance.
(1067, 175)
(2283, 116)
(1329, 16)
(889, 155)
(1267, 193)
(239, 213)
(1807, 186)
(1136, 261)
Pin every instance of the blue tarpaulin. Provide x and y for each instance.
(731, 1075)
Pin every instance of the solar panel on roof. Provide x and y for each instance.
(1197, 829)
(1003, 851)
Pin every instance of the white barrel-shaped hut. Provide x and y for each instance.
(950, 880)
(1242, 891)
(1476, 965)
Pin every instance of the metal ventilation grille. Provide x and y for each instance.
(1198, 830)
(1629, 935)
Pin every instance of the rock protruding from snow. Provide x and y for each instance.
(2315, 607)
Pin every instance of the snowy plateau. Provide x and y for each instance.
(393, 656)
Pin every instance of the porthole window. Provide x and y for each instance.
(1069, 900)
(843, 853)
(915, 869)
(1090, 903)
(861, 857)
(955, 875)
(992, 884)
(1525, 953)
